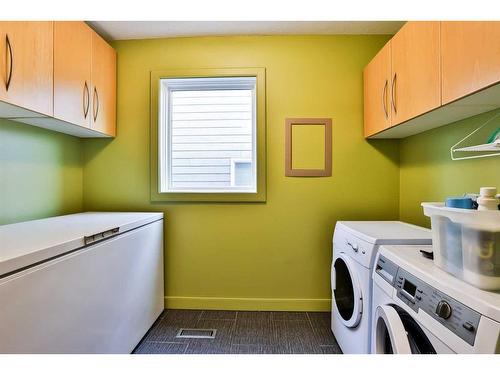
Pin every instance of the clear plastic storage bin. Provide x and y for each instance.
(466, 243)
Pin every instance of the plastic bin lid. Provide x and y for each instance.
(479, 220)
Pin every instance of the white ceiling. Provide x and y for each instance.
(119, 30)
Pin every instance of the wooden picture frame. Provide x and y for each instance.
(289, 170)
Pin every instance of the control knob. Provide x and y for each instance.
(443, 309)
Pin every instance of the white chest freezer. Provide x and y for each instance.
(83, 283)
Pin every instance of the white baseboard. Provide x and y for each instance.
(262, 304)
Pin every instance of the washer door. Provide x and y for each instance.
(396, 332)
(347, 296)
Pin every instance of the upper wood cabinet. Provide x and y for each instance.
(103, 86)
(441, 72)
(58, 75)
(376, 80)
(403, 79)
(470, 57)
(84, 78)
(26, 65)
(416, 76)
(72, 72)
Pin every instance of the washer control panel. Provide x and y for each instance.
(458, 318)
(386, 269)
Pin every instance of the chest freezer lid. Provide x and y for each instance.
(24, 244)
(388, 232)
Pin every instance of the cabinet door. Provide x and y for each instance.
(470, 57)
(72, 67)
(416, 72)
(376, 80)
(103, 86)
(26, 65)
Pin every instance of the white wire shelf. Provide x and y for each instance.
(495, 146)
(492, 149)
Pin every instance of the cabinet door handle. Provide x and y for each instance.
(11, 60)
(96, 108)
(384, 99)
(393, 95)
(86, 100)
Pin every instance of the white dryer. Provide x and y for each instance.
(419, 308)
(355, 246)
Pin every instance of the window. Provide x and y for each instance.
(207, 128)
(210, 137)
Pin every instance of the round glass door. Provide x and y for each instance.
(418, 340)
(346, 292)
(396, 332)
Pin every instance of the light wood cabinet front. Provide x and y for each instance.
(470, 57)
(416, 72)
(376, 80)
(26, 65)
(72, 72)
(103, 92)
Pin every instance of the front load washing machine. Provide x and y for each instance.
(355, 245)
(419, 308)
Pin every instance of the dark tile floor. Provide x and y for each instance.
(241, 332)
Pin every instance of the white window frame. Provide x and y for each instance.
(167, 85)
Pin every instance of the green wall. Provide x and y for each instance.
(429, 175)
(40, 173)
(273, 255)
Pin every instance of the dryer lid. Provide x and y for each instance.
(387, 232)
